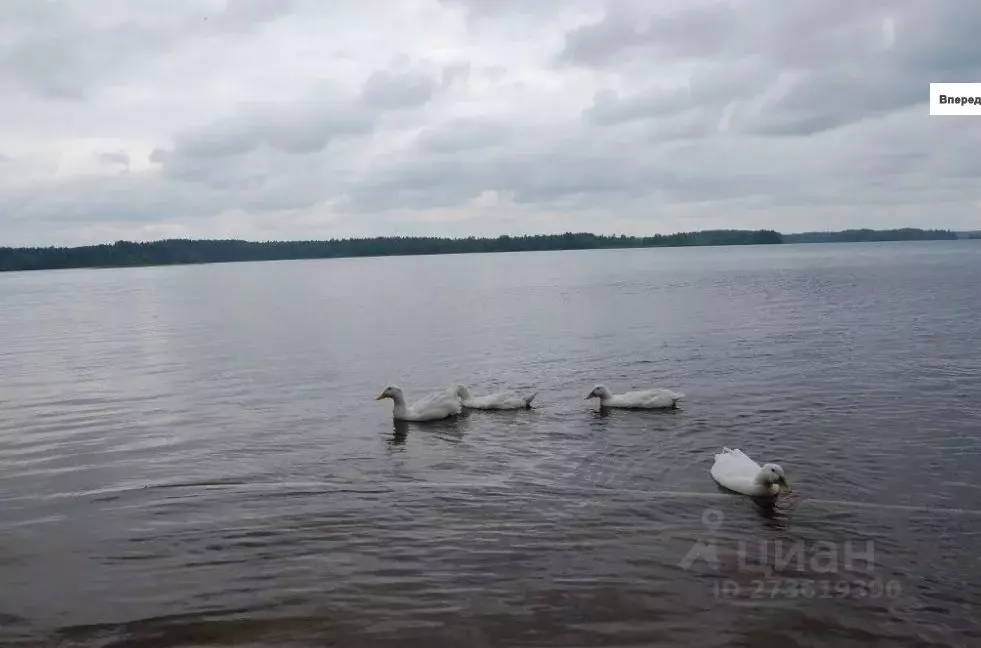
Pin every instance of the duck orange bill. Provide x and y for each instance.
(380, 396)
(588, 396)
(786, 487)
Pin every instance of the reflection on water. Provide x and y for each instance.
(192, 456)
(400, 432)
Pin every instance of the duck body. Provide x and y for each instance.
(735, 471)
(639, 399)
(502, 400)
(434, 407)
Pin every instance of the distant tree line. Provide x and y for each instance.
(185, 251)
(868, 235)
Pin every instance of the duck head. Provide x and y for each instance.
(772, 474)
(392, 391)
(599, 391)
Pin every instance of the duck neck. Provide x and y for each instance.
(771, 488)
(399, 410)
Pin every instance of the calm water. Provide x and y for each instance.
(192, 456)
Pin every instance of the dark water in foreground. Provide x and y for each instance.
(191, 456)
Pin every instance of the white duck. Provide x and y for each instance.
(502, 400)
(641, 399)
(737, 472)
(436, 406)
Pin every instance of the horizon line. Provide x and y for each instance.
(486, 237)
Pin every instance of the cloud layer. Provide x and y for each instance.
(304, 119)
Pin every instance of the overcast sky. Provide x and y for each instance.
(283, 119)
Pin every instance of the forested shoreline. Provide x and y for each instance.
(186, 251)
(870, 235)
(189, 251)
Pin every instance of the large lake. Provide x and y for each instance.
(192, 456)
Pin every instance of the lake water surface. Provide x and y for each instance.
(192, 456)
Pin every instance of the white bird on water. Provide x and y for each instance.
(737, 472)
(502, 400)
(640, 399)
(438, 405)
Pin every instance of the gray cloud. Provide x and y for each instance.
(706, 89)
(385, 90)
(307, 125)
(302, 128)
(114, 158)
(699, 31)
(542, 10)
(63, 50)
(790, 69)
(303, 119)
(466, 134)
